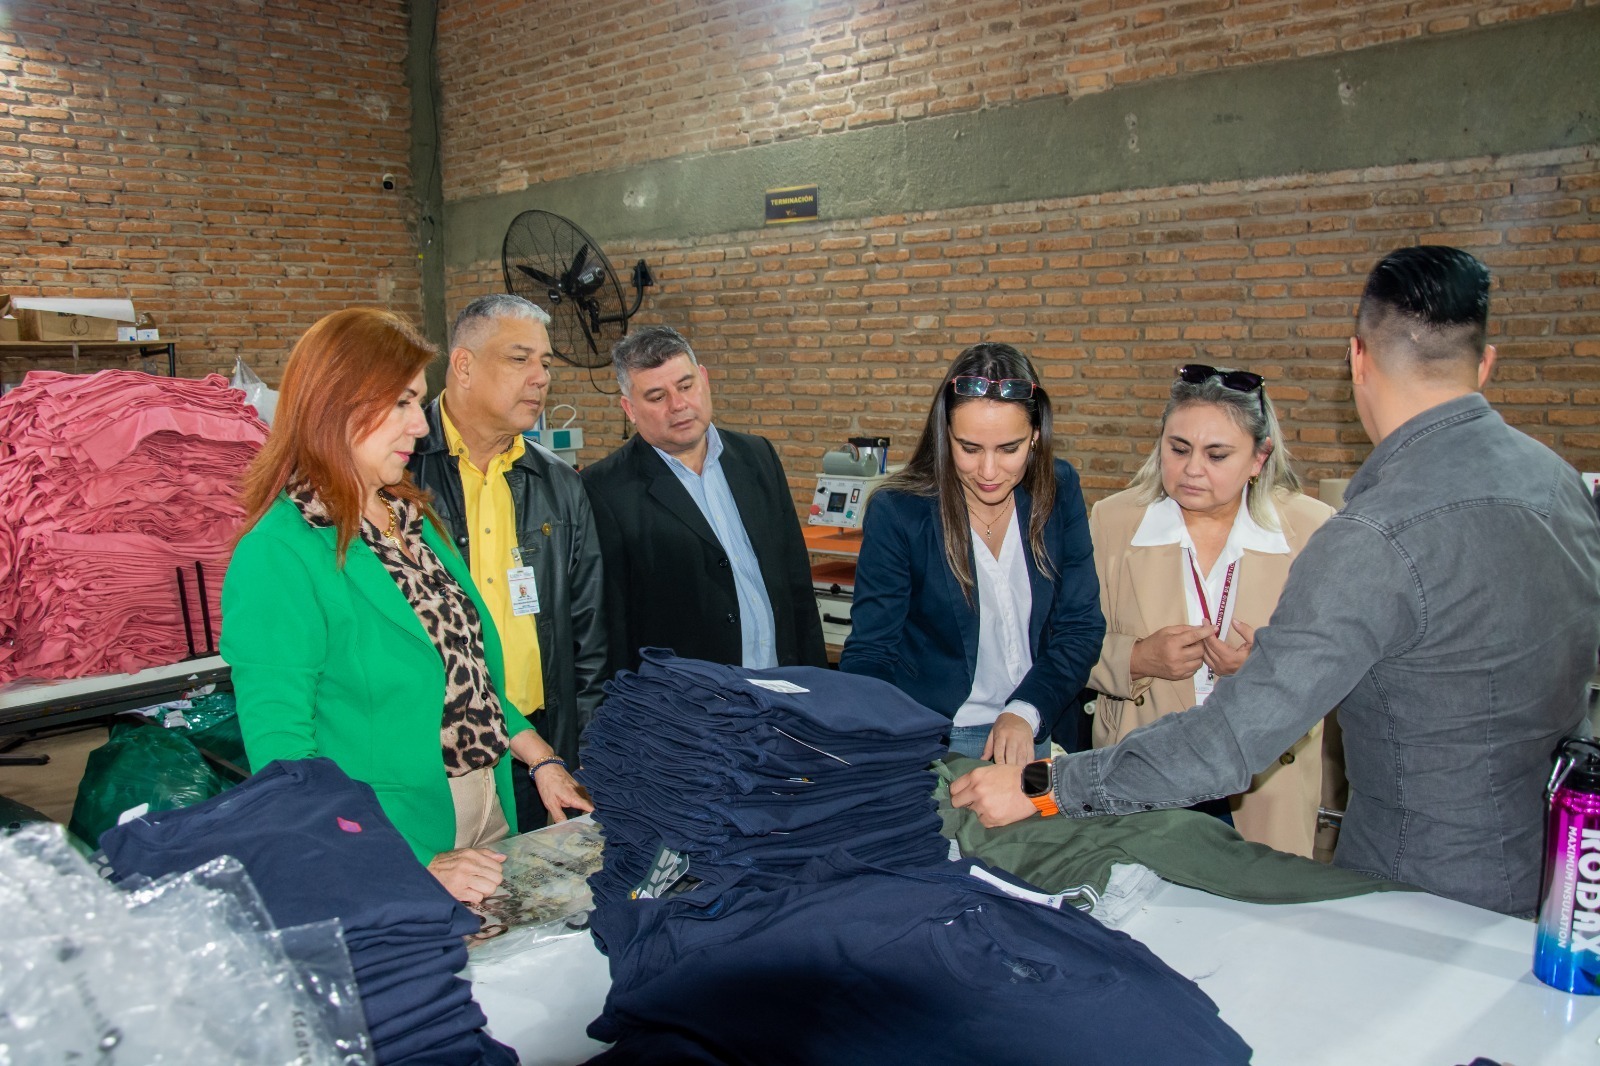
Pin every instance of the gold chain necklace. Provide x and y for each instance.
(394, 521)
(988, 527)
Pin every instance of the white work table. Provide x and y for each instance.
(1396, 977)
(41, 704)
(1388, 978)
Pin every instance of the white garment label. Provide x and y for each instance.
(1053, 902)
(777, 686)
(524, 590)
(132, 813)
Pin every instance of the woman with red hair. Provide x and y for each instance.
(351, 623)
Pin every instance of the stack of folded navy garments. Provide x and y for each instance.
(775, 894)
(317, 846)
(758, 769)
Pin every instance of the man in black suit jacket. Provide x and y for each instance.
(699, 536)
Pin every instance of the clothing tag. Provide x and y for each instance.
(524, 591)
(777, 686)
(133, 812)
(667, 870)
(1053, 902)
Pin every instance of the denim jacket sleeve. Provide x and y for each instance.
(1352, 599)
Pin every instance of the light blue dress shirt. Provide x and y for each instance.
(710, 492)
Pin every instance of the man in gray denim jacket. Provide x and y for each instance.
(1451, 611)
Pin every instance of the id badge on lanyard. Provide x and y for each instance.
(524, 587)
(1222, 604)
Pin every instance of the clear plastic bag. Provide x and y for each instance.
(544, 890)
(256, 393)
(184, 969)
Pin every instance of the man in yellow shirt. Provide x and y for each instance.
(521, 519)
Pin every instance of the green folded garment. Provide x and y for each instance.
(1185, 847)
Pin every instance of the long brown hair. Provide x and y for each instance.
(342, 379)
(931, 472)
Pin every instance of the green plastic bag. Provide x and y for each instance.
(139, 764)
(214, 727)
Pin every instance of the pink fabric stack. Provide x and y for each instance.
(109, 483)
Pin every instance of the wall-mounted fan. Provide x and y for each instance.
(550, 261)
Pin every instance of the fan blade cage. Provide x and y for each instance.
(548, 260)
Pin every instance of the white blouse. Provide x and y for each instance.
(1005, 603)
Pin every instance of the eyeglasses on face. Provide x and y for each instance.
(1237, 380)
(1005, 388)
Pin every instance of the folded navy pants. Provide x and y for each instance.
(846, 963)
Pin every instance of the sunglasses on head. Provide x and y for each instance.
(1006, 388)
(1237, 380)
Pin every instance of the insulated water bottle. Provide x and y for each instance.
(1566, 953)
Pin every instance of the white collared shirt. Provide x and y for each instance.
(1005, 603)
(1163, 524)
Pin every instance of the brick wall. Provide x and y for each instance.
(219, 163)
(816, 332)
(535, 92)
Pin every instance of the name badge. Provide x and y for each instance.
(524, 590)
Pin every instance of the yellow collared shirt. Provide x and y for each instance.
(491, 539)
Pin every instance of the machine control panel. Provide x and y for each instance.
(840, 499)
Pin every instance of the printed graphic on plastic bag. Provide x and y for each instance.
(545, 893)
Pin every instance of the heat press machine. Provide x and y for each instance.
(849, 477)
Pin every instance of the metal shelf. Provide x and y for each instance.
(143, 347)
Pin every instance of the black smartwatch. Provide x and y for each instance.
(1038, 784)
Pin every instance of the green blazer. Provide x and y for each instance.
(333, 662)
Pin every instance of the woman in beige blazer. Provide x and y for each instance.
(1192, 557)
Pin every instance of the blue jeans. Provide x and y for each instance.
(969, 740)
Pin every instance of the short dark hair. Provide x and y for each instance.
(1428, 304)
(645, 349)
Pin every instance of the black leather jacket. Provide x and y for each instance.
(555, 529)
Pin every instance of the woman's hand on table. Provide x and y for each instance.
(557, 789)
(1010, 741)
(1224, 658)
(1172, 653)
(468, 874)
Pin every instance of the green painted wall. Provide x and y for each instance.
(1527, 86)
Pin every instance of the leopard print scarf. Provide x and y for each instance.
(473, 730)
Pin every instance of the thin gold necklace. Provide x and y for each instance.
(988, 527)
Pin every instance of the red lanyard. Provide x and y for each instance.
(1200, 591)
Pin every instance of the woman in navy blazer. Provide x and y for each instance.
(976, 591)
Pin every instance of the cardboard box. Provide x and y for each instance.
(54, 326)
(60, 319)
(10, 330)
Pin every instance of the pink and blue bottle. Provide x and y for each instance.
(1566, 954)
